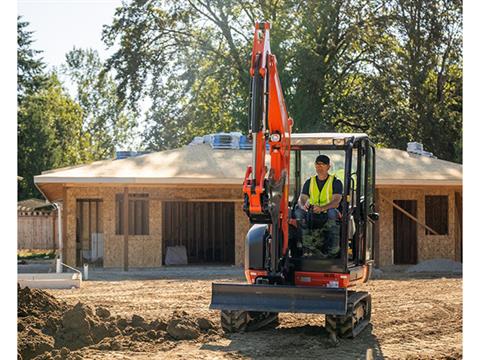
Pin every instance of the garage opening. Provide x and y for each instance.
(206, 229)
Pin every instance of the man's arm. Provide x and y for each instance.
(336, 199)
(303, 201)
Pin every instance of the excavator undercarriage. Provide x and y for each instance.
(356, 319)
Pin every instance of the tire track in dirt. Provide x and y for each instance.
(412, 318)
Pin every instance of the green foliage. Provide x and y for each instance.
(419, 66)
(29, 67)
(50, 134)
(189, 60)
(55, 130)
(106, 122)
(27, 254)
(49, 131)
(390, 68)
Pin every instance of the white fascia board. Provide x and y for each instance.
(133, 180)
(415, 182)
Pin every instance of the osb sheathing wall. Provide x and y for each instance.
(428, 246)
(144, 250)
(242, 224)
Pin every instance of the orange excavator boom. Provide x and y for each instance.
(266, 197)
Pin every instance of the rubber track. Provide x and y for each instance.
(346, 326)
(234, 321)
(239, 321)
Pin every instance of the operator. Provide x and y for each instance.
(318, 211)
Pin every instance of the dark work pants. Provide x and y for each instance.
(320, 232)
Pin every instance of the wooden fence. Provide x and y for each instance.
(36, 230)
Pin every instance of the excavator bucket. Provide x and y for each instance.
(279, 298)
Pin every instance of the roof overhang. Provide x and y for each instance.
(201, 166)
(379, 183)
(134, 180)
(53, 190)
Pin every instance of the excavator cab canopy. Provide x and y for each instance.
(352, 161)
(315, 139)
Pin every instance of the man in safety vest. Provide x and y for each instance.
(318, 211)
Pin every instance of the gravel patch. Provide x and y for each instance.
(436, 266)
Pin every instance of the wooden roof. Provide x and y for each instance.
(200, 164)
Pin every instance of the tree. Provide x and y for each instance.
(333, 42)
(431, 61)
(105, 119)
(50, 134)
(419, 65)
(30, 68)
(189, 59)
(390, 68)
(194, 56)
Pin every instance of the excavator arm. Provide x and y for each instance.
(266, 196)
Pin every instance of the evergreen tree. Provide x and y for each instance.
(30, 68)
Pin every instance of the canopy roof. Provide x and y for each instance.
(200, 164)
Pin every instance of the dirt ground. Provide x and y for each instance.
(414, 316)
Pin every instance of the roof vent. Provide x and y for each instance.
(222, 140)
(417, 149)
(126, 154)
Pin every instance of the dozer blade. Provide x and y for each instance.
(279, 298)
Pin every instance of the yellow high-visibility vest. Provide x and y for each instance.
(325, 196)
(340, 175)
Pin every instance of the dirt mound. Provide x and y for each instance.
(82, 327)
(36, 302)
(33, 342)
(49, 329)
(181, 327)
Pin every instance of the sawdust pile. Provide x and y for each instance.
(50, 329)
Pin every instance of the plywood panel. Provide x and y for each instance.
(242, 225)
(429, 246)
(458, 226)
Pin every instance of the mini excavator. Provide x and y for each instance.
(282, 275)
